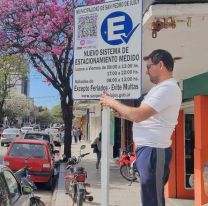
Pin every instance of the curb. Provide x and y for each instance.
(53, 199)
(55, 191)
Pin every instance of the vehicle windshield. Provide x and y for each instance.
(37, 136)
(11, 130)
(27, 150)
(52, 130)
(27, 128)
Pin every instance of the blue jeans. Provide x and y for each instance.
(153, 167)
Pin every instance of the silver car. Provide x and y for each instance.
(56, 135)
(11, 192)
(9, 135)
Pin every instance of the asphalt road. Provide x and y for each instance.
(46, 196)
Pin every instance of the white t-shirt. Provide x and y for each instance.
(156, 131)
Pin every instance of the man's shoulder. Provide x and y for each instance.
(166, 91)
(168, 85)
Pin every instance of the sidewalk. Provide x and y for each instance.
(121, 194)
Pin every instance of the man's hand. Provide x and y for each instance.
(107, 101)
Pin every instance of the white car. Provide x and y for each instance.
(40, 136)
(26, 129)
(56, 135)
(9, 135)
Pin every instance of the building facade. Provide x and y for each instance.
(181, 27)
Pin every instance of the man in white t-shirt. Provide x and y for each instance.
(153, 123)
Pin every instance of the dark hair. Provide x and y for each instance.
(161, 55)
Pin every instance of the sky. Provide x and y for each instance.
(43, 94)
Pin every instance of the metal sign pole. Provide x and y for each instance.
(105, 157)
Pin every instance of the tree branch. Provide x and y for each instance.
(53, 82)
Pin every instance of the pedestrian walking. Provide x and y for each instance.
(96, 145)
(80, 134)
(74, 132)
(153, 123)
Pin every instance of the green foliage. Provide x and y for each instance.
(56, 114)
(44, 118)
(12, 69)
(41, 108)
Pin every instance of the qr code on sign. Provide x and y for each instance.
(87, 26)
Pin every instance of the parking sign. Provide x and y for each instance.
(107, 50)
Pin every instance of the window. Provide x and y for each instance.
(27, 150)
(46, 137)
(38, 137)
(13, 186)
(11, 131)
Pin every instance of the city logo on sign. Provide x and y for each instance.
(117, 28)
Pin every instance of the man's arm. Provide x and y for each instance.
(134, 114)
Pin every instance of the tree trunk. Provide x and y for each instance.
(1, 111)
(67, 112)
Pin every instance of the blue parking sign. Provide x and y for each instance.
(117, 28)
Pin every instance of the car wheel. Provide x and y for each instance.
(2, 144)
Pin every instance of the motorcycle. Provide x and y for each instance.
(75, 184)
(25, 180)
(127, 164)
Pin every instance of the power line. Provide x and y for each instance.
(43, 97)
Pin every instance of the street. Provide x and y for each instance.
(46, 196)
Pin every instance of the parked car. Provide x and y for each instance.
(9, 135)
(36, 155)
(56, 135)
(36, 127)
(11, 192)
(26, 129)
(40, 136)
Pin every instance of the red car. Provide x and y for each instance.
(36, 155)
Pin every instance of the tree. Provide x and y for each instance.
(41, 108)
(43, 30)
(17, 105)
(56, 114)
(44, 118)
(12, 69)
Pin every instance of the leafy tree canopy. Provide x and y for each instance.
(56, 114)
(12, 69)
(17, 105)
(44, 118)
